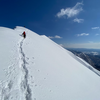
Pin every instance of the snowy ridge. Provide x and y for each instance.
(36, 68)
(88, 66)
(85, 64)
(24, 85)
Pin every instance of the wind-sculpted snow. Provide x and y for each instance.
(24, 86)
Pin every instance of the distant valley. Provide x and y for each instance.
(92, 56)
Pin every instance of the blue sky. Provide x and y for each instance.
(70, 23)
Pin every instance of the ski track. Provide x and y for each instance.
(21, 90)
(25, 90)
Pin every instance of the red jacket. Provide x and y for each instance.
(24, 34)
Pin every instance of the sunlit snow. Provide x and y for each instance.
(36, 68)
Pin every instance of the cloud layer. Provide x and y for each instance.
(97, 34)
(56, 36)
(83, 45)
(70, 12)
(83, 34)
(95, 28)
(78, 20)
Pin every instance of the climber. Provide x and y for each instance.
(24, 34)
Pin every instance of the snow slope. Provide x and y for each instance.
(36, 68)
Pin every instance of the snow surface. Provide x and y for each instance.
(36, 68)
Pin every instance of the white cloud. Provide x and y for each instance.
(78, 20)
(91, 42)
(56, 36)
(97, 34)
(61, 45)
(83, 34)
(95, 28)
(51, 37)
(83, 45)
(71, 12)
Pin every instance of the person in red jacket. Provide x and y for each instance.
(24, 34)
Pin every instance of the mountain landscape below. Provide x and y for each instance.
(36, 68)
(92, 56)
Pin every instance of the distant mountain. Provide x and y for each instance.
(92, 56)
(87, 51)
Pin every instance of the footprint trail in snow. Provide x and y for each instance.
(25, 91)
